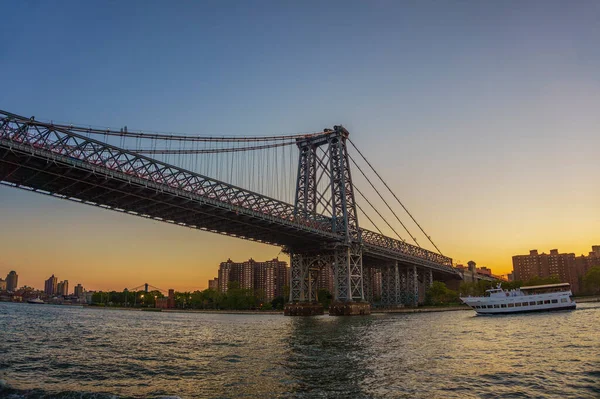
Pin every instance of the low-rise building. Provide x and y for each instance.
(213, 284)
(472, 274)
(166, 302)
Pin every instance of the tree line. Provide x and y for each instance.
(237, 298)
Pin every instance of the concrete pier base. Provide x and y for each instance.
(349, 308)
(303, 309)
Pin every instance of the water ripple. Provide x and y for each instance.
(63, 352)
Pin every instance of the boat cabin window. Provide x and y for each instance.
(547, 301)
(555, 301)
(518, 304)
(540, 302)
(511, 305)
(563, 300)
(525, 303)
(503, 305)
(496, 306)
(532, 303)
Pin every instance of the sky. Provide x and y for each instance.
(482, 116)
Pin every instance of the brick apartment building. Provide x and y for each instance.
(267, 278)
(566, 266)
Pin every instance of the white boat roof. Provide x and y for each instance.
(531, 287)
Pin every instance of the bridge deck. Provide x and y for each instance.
(38, 157)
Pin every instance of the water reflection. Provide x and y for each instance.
(78, 352)
(327, 356)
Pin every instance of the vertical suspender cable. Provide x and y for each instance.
(390, 190)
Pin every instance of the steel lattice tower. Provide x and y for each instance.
(324, 187)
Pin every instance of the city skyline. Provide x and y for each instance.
(488, 134)
(590, 258)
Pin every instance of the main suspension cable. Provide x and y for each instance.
(209, 150)
(390, 190)
(159, 136)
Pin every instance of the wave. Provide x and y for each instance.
(8, 392)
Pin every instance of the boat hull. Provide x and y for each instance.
(503, 311)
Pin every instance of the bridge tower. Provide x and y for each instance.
(324, 188)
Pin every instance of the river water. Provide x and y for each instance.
(58, 351)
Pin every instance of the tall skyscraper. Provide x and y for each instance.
(225, 275)
(245, 274)
(264, 280)
(325, 279)
(51, 286)
(12, 279)
(79, 291)
(2, 285)
(62, 288)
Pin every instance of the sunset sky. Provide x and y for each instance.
(484, 117)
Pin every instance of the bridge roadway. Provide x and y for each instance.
(52, 160)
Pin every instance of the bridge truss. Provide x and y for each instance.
(320, 229)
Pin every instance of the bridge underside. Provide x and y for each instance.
(80, 184)
(405, 267)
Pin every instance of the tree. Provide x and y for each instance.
(278, 303)
(325, 297)
(439, 294)
(591, 280)
(475, 288)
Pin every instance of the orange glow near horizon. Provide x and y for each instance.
(106, 250)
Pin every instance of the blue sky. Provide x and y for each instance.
(482, 115)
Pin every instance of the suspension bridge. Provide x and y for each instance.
(292, 191)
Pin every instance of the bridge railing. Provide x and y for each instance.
(59, 141)
(372, 238)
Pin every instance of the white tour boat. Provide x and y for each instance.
(536, 298)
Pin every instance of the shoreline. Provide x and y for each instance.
(424, 309)
(587, 299)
